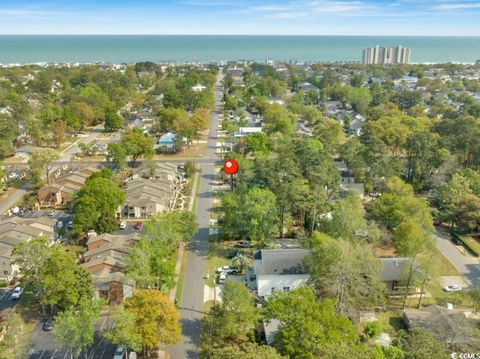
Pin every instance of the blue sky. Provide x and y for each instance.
(251, 17)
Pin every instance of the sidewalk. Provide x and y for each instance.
(181, 247)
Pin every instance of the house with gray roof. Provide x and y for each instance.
(452, 327)
(15, 230)
(279, 270)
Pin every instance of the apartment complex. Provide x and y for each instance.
(14, 230)
(386, 55)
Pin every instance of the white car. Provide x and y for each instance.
(222, 278)
(452, 288)
(119, 352)
(227, 269)
(17, 292)
(60, 224)
(123, 225)
(51, 213)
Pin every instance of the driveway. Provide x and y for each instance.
(467, 265)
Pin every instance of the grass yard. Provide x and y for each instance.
(390, 321)
(440, 265)
(178, 293)
(194, 151)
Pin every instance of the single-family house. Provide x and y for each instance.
(393, 273)
(279, 270)
(199, 88)
(307, 86)
(452, 327)
(24, 151)
(245, 131)
(168, 142)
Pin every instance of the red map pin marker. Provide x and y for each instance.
(230, 167)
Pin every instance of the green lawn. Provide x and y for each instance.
(440, 265)
(178, 293)
(390, 321)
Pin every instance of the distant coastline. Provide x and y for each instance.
(117, 49)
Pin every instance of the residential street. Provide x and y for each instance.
(465, 264)
(191, 304)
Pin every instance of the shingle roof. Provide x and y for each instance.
(280, 261)
(392, 268)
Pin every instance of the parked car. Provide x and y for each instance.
(222, 277)
(123, 225)
(138, 226)
(51, 213)
(70, 225)
(243, 244)
(60, 224)
(17, 292)
(452, 288)
(119, 352)
(233, 254)
(48, 324)
(227, 269)
(22, 213)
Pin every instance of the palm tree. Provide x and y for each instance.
(239, 261)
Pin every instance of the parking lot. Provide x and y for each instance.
(44, 345)
(5, 300)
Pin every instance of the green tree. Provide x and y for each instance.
(467, 212)
(310, 329)
(258, 143)
(137, 145)
(417, 343)
(346, 272)
(75, 327)
(232, 320)
(123, 331)
(62, 282)
(117, 155)
(41, 162)
(242, 351)
(348, 218)
(261, 215)
(399, 203)
(113, 121)
(359, 98)
(96, 205)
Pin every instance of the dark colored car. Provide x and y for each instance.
(138, 226)
(48, 324)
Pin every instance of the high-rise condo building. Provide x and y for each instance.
(386, 55)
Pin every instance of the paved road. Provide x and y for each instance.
(465, 264)
(191, 304)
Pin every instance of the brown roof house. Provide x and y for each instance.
(15, 230)
(62, 190)
(105, 260)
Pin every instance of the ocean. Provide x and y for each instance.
(21, 49)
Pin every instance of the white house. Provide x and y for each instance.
(245, 131)
(279, 270)
(199, 88)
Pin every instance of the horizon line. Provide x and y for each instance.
(251, 35)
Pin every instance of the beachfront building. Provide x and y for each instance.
(386, 55)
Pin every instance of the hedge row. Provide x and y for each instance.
(469, 242)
